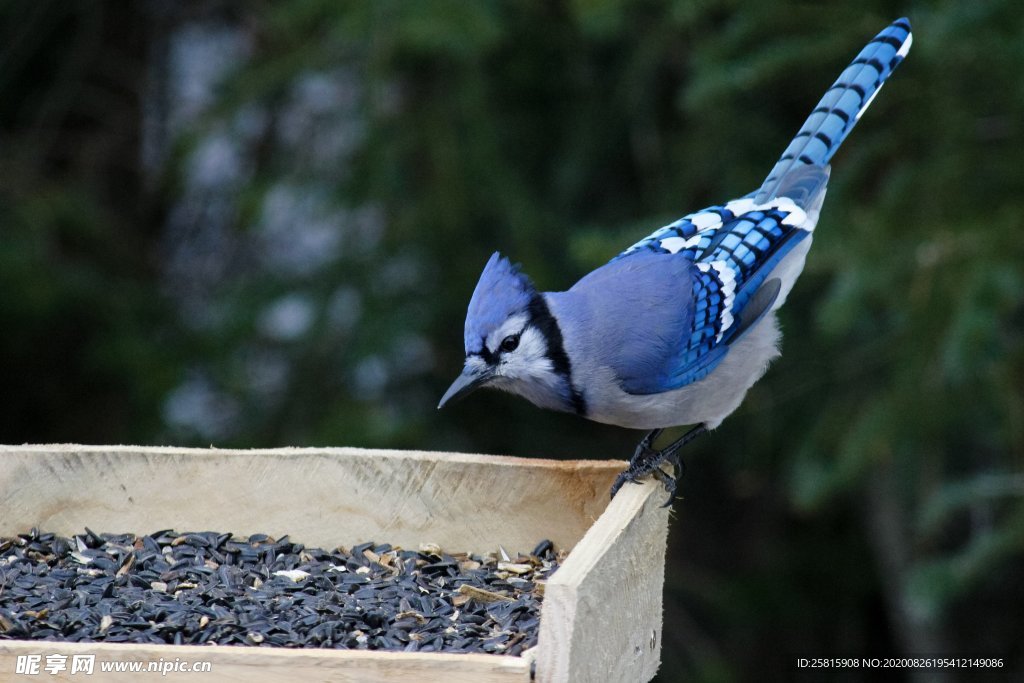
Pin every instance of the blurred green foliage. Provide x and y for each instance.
(867, 499)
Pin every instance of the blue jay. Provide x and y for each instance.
(675, 329)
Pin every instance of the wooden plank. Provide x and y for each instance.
(602, 612)
(322, 497)
(266, 665)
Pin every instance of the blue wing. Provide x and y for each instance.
(727, 291)
(663, 321)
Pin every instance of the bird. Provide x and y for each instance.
(674, 330)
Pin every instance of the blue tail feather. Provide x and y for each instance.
(843, 104)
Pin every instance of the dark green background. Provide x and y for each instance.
(868, 497)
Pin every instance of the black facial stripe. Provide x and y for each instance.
(485, 353)
(540, 316)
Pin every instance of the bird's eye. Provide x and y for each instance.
(510, 343)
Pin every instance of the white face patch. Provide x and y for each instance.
(529, 360)
(513, 325)
(476, 364)
(529, 372)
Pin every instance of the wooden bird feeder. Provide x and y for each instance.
(602, 610)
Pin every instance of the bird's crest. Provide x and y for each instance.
(501, 292)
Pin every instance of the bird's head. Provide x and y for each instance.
(509, 339)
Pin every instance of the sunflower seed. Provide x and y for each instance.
(211, 587)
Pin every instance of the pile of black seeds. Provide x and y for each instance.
(210, 587)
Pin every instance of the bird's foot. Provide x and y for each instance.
(647, 460)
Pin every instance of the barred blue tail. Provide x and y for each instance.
(843, 104)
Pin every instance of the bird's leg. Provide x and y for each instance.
(646, 460)
(644, 450)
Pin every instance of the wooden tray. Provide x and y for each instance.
(601, 618)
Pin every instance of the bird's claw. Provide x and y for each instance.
(646, 460)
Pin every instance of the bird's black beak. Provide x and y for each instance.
(469, 381)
